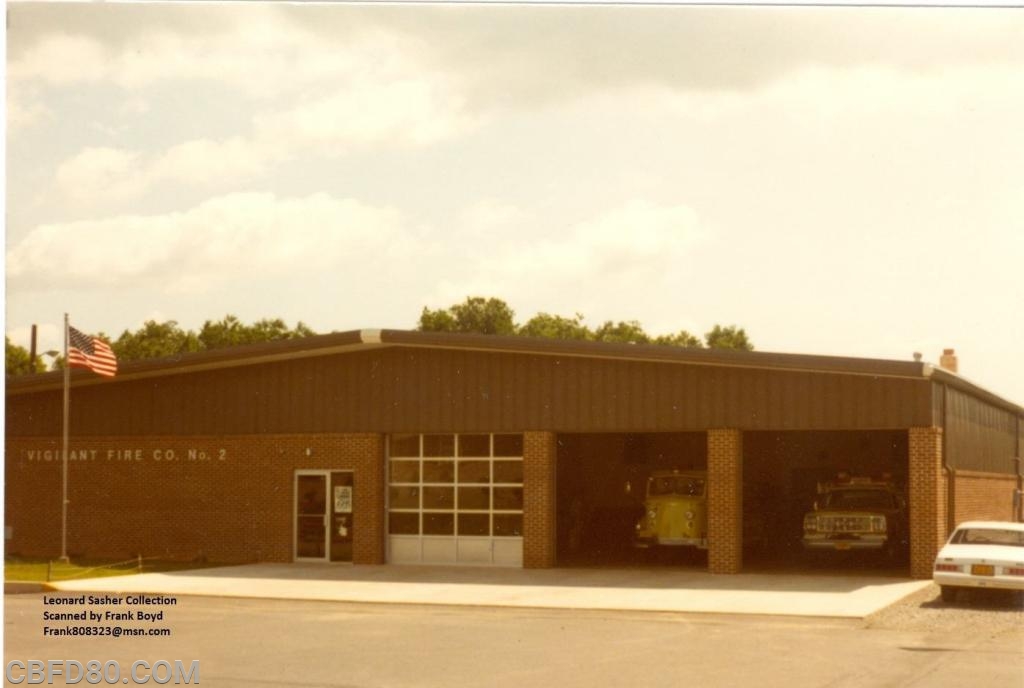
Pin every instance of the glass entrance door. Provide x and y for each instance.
(323, 515)
(310, 516)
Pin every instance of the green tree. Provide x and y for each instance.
(268, 330)
(681, 338)
(230, 331)
(476, 314)
(440, 320)
(730, 337)
(623, 332)
(17, 360)
(155, 340)
(556, 327)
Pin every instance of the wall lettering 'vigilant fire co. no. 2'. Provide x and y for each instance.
(191, 454)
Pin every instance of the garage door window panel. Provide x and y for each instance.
(474, 524)
(438, 498)
(475, 445)
(508, 498)
(508, 445)
(438, 471)
(466, 490)
(474, 498)
(404, 445)
(402, 523)
(508, 472)
(508, 525)
(405, 472)
(438, 523)
(478, 472)
(404, 497)
(439, 445)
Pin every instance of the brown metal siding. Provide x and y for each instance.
(426, 390)
(978, 436)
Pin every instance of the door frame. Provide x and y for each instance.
(325, 473)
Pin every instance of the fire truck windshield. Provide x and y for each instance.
(857, 499)
(682, 485)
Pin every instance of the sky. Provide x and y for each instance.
(835, 180)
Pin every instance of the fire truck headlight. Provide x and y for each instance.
(810, 523)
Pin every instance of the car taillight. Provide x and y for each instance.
(947, 567)
(1014, 572)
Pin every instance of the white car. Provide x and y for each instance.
(981, 554)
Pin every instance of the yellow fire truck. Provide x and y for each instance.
(675, 511)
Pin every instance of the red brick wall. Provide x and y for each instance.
(926, 492)
(725, 501)
(231, 501)
(540, 453)
(983, 496)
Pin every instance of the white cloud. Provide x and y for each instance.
(490, 216)
(600, 266)
(638, 235)
(205, 161)
(418, 110)
(226, 239)
(135, 107)
(22, 115)
(408, 112)
(336, 97)
(819, 95)
(60, 59)
(258, 52)
(413, 112)
(95, 172)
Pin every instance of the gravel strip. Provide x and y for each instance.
(979, 611)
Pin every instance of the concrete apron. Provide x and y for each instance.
(663, 590)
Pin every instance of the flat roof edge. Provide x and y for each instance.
(227, 357)
(657, 353)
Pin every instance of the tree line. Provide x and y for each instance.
(158, 339)
(476, 314)
(494, 316)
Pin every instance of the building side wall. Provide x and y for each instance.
(979, 436)
(927, 496)
(540, 455)
(983, 496)
(725, 500)
(223, 499)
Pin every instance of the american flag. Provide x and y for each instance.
(89, 352)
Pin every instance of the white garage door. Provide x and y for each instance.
(455, 499)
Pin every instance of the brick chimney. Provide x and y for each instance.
(948, 360)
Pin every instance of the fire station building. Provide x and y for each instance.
(390, 447)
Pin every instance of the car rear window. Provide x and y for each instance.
(989, 536)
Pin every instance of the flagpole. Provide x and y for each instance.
(64, 453)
